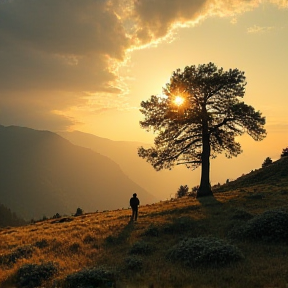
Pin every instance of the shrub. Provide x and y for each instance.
(91, 277)
(75, 247)
(88, 239)
(182, 191)
(41, 244)
(32, 275)
(152, 230)
(79, 212)
(19, 253)
(204, 251)
(56, 216)
(133, 263)
(141, 248)
(271, 226)
(194, 191)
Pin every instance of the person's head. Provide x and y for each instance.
(134, 195)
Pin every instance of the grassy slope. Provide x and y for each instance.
(83, 241)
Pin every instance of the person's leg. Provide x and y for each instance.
(136, 213)
(133, 214)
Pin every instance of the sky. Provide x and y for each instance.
(87, 65)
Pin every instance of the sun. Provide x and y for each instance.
(178, 100)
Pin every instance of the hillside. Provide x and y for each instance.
(234, 239)
(42, 173)
(274, 174)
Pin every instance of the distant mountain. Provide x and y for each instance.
(124, 153)
(9, 218)
(42, 173)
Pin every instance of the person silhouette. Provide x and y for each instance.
(134, 203)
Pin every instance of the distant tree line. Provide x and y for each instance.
(268, 161)
(9, 218)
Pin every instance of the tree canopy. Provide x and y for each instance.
(199, 115)
(268, 161)
(284, 152)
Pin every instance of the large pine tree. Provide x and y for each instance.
(199, 116)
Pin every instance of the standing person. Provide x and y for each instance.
(134, 202)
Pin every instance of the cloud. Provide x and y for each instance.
(53, 53)
(156, 18)
(56, 47)
(60, 43)
(257, 29)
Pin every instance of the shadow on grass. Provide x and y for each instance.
(122, 236)
(209, 201)
(211, 206)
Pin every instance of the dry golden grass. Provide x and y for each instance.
(83, 242)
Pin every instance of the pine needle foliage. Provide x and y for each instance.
(205, 123)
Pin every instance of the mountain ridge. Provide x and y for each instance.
(43, 167)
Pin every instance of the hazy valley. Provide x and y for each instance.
(124, 153)
(42, 174)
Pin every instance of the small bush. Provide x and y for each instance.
(56, 216)
(111, 240)
(271, 226)
(133, 263)
(152, 230)
(88, 239)
(41, 244)
(32, 275)
(141, 248)
(74, 248)
(194, 191)
(91, 277)
(182, 191)
(19, 253)
(79, 212)
(203, 251)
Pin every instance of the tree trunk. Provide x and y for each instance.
(205, 187)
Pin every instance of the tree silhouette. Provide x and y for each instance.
(284, 152)
(201, 126)
(182, 191)
(79, 212)
(268, 161)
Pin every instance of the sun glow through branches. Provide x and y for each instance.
(178, 100)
